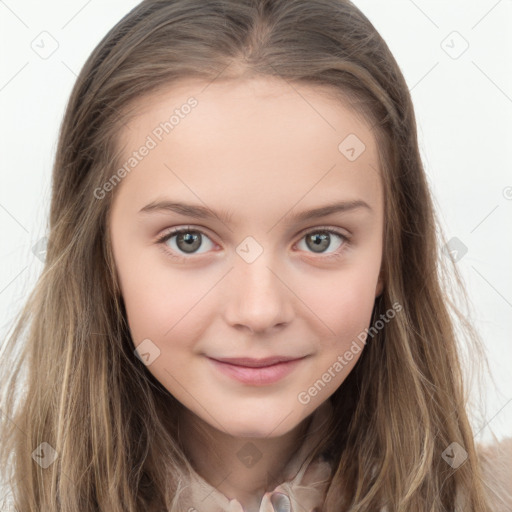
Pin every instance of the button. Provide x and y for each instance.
(280, 502)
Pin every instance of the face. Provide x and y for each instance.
(254, 272)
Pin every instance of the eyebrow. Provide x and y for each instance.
(202, 212)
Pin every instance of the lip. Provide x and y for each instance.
(255, 363)
(256, 372)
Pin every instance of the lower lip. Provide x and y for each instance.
(257, 376)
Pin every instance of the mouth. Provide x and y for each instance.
(257, 372)
(256, 363)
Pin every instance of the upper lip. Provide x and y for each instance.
(255, 363)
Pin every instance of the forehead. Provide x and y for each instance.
(248, 142)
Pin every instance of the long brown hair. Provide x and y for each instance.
(73, 381)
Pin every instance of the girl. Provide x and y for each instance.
(242, 306)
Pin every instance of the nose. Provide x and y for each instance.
(258, 298)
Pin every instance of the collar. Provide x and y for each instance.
(307, 476)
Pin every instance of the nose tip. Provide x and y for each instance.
(260, 301)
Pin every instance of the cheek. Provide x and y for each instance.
(163, 305)
(160, 302)
(343, 302)
(166, 308)
(344, 305)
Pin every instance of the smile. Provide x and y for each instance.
(257, 375)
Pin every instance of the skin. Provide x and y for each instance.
(264, 151)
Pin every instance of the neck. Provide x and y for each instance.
(242, 468)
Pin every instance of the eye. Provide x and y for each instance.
(321, 238)
(187, 241)
(184, 240)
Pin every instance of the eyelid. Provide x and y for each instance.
(331, 229)
(185, 227)
(176, 230)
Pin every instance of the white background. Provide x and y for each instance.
(463, 104)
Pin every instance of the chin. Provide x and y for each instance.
(257, 427)
(248, 431)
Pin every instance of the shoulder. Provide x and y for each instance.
(496, 463)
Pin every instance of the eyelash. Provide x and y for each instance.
(324, 229)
